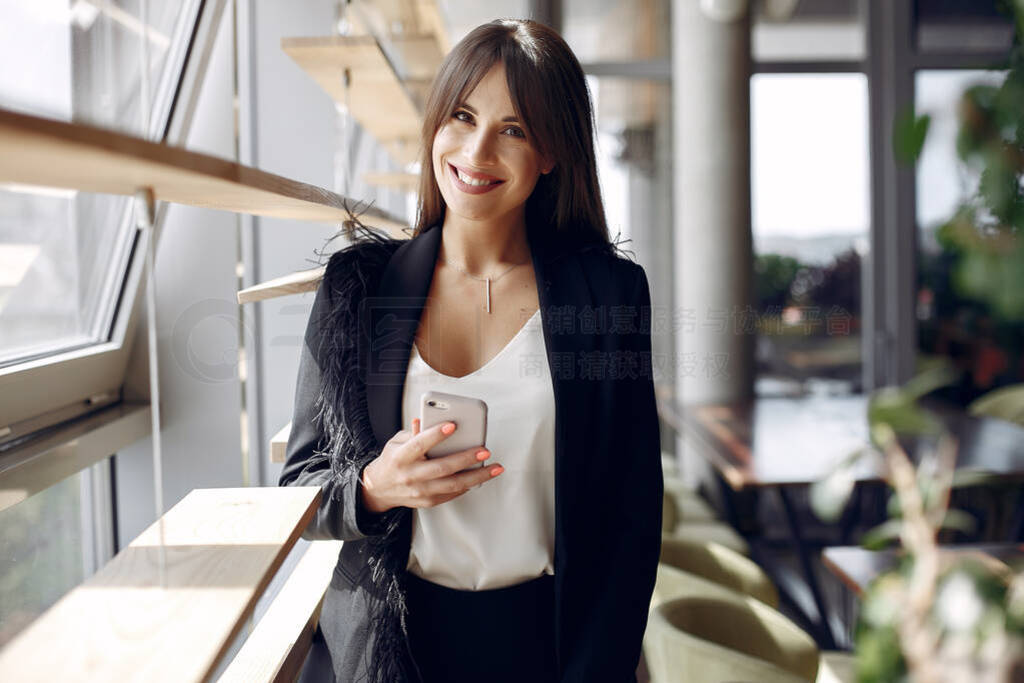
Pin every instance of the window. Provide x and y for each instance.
(969, 333)
(810, 210)
(65, 253)
(816, 30)
(50, 543)
(962, 26)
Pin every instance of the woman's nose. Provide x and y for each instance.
(479, 147)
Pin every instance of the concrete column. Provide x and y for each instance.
(712, 231)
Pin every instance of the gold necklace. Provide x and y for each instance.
(488, 280)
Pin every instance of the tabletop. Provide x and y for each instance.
(776, 441)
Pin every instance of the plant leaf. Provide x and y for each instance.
(908, 136)
(879, 537)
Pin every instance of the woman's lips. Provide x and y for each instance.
(472, 189)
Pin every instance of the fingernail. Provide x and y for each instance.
(448, 428)
(482, 455)
(497, 470)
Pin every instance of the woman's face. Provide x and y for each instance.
(484, 160)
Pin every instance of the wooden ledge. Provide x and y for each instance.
(169, 606)
(278, 646)
(45, 152)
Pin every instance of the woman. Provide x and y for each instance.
(539, 568)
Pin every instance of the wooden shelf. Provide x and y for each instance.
(395, 19)
(376, 98)
(44, 152)
(279, 443)
(169, 606)
(277, 648)
(295, 283)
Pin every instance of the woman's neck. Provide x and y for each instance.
(484, 248)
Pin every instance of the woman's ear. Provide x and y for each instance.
(547, 165)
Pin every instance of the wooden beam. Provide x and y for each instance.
(170, 605)
(431, 20)
(374, 95)
(279, 443)
(49, 153)
(394, 19)
(294, 283)
(277, 648)
(419, 54)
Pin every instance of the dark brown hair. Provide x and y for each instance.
(550, 96)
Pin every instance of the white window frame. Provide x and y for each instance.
(42, 392)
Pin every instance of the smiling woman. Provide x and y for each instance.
(550, 556)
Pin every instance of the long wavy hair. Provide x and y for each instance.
(550, 96)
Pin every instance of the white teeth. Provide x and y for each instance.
(471, 181)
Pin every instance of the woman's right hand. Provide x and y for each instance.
(402, 475)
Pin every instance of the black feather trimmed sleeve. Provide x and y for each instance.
(308, 462)
(331, 439)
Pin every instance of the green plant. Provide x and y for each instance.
(939, 616)
(985, 235)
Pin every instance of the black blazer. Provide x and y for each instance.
(595, 310)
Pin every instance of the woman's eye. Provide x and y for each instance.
(515, 132)
(463, 116)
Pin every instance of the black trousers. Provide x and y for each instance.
(497, 635)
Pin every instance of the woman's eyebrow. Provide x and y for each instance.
(507, 119)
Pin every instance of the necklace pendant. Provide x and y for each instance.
(488, 295)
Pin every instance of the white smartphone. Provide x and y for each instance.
(469, 415)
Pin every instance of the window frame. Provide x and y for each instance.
(889, 275)
(93, 377)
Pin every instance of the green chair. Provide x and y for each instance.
(721, 637)
(686, 515)
(692, 504)
(673, 584)
(720, 565)
(1005, 404)
(690, 508)
(704, 532)
(669, 467)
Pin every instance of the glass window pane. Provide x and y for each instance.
(63, 254)
(810, 210)
(42, 551)
(816, 30)
(951, 325)
(963, 26)
(617, 30)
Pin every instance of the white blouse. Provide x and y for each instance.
(501, 532)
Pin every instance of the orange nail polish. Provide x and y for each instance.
(497, 470)
(448, 428)
(482, 455)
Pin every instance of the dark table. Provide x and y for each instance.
(797, 441)
(857, 567)
(782, 442)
